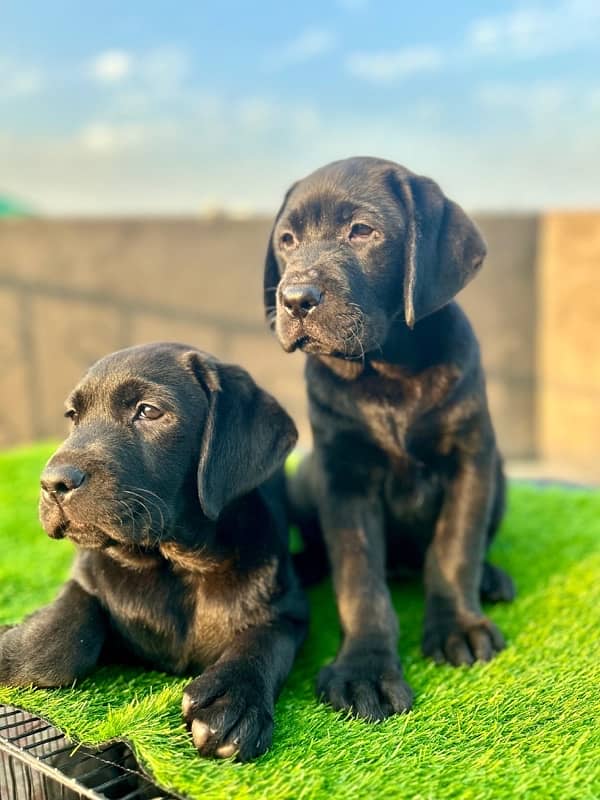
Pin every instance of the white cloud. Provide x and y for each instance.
(258, 115)
(386, 66)
(161, 69)
(308, 45)
(112, 66)
(305, 120)
(527, 31)
(538, 99)
(426, 112)
(164, 67)
(18, 80)
(130, 168)
(593, 99)
(109, 139)
(106, 139)
(534, 30)
(524, 150)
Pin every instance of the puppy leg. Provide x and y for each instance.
(455, 628)
(55, 645)
(496, 585)
(366, 677)
(230, 707)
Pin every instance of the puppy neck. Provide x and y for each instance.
(410, 350)
(188, 546)
(402, 348)
(343, 367)
(200, 560)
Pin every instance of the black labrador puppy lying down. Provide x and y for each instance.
(170, 485)
(363, 262)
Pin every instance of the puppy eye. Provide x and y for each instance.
(360, 231)
(287, 240)
(72, 415)
(145, 411)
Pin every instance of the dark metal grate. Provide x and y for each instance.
(38, 762)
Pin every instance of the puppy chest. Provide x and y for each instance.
(404, 429)
(154, 623)
(402, 410)
(413, 493)
(181, 625)
(388, 426)
(227, 604)
(176, 619)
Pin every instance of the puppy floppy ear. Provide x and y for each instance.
(443, 248)
(271, 276)
(246, 437)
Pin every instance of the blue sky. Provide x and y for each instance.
(193, 106)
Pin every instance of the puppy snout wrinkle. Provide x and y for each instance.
(299, 299)
(62, 480)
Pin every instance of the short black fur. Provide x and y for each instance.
(171, 486)
(363, 263)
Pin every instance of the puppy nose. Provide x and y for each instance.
(62, 480)
(299, 299)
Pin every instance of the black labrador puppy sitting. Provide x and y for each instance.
(363, 262)
(170, 485)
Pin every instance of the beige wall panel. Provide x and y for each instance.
(152, 328)
(67, 338)
(569, 339)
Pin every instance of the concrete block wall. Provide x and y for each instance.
(73, 290)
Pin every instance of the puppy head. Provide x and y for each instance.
(357, 244)
(160, 434)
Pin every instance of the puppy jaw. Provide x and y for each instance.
(334, 328)
(58, 525)
(103, 511)
(52, 518)
(86, 529)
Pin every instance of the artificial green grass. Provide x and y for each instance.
(525, 725)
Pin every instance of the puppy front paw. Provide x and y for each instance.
(462, 642)
(368, 685)
(229, 712)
